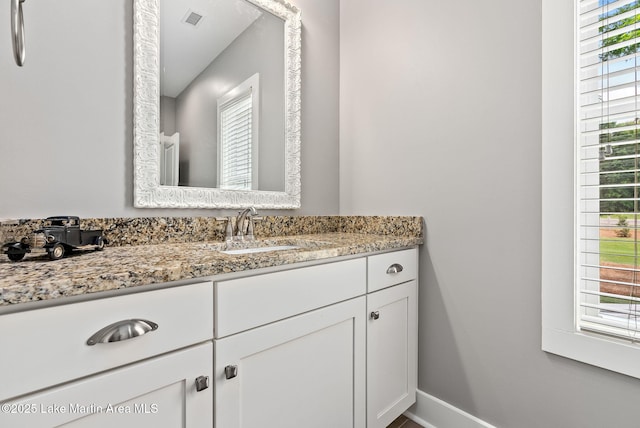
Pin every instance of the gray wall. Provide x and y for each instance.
(440, 116)
(257, 50)
(66, 117)
(167, 115)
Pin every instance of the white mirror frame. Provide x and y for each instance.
(147, 191)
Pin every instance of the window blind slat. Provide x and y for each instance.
(617, 309)
(599, 7)
(631, 285)
(616, 328)
(616, 297)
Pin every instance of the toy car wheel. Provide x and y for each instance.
(99, 244)
(14, 257)
(57, 252)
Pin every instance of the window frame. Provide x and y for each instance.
(560, 334)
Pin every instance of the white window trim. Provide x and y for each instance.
(252, 84)
(559, 233)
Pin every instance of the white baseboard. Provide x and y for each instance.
(431, 412)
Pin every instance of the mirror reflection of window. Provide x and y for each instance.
(238, 113)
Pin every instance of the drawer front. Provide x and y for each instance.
(385, 270)
(159, 392)
(249, 302)
(44, 347)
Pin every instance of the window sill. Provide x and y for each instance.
(604, 352)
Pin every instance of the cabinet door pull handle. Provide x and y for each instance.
(230, 372)
(122, 330)
(17, 31)
(202, 383)
(374, 315)
(395, 268)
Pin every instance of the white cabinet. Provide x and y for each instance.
(391, 353)
(330, 345)
(290, 348)
(160, 392)
(306, 371)
(140, 371)
(333, 345)
(392, 335)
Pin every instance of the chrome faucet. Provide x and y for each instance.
(240, 234)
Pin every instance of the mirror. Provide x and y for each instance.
(216, 104)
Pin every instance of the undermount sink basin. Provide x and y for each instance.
(260, 249)
(264, 245)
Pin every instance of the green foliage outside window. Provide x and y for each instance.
(621, 38)
(620, 169)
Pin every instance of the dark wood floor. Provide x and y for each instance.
(404, 422)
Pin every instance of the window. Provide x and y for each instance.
(609, 171)
(238, 136)
(591, 182)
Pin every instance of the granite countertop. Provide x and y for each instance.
(36, 278)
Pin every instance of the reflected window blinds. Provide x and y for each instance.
(236, 143)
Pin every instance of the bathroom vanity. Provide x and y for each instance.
(316, 337)
(319, 346)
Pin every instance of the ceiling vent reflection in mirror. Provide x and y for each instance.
(192, 18)
(147, 190)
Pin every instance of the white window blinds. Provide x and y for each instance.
(609, 182)
(236, 130)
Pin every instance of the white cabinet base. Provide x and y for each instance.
(306, 371)
(293, 348)
(391, 353)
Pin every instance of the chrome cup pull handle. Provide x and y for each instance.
(230, 372)
(122, 330)
(17, 31)
(202, 383)
(395, 268)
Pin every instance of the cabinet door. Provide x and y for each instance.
(306, 371)
(159, 393)
(391, 353)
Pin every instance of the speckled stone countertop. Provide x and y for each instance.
(36, 278)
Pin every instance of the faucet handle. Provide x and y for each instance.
(228, 234)
(250, 236)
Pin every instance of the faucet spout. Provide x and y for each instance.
(240, 228)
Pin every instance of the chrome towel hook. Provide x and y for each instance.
(17, 31)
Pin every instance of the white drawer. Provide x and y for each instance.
(157, 392)
(385, 270)
(249, 302)
(44, 347)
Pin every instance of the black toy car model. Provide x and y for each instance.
(59, 236)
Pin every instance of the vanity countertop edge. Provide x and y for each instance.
(38, 280)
